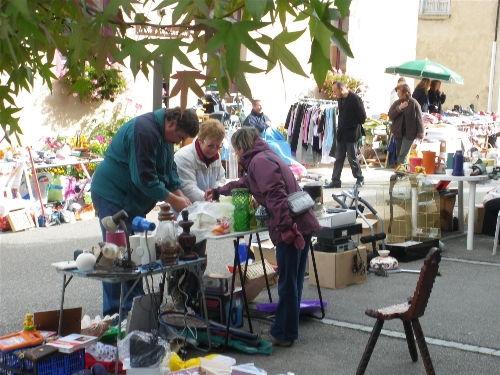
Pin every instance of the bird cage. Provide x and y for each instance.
(410, 210)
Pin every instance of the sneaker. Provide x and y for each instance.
(360, 183)
(276, 342)
(332, 185)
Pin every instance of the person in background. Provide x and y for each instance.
(200, 168)
(407, 123)
(352, 116)
(270, 181)
(257, 119)
(420, 94)
(394, 92)
(436, 98)
(137, 172)
(491, 203)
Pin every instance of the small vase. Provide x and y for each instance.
(85, 262)
(187, 239)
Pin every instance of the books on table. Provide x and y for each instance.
(73, 342)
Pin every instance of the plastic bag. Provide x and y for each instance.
(248, 368)
(211, 218)
(141, 349)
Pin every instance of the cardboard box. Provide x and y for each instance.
(335, 269)
(478, 218)
(268, 251)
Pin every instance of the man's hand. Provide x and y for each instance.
(178, 203)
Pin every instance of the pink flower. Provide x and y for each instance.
(75, 94)
(129, 101)
(138, 106)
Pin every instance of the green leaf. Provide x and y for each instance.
(179, 10)
(164, 4)
(218, 40)
(22, 7)
(202, 7)
(322, 35)
(320, 65)
(338, 39)
(256, 8)
(168, 50)
(343, 6)
(137, 51)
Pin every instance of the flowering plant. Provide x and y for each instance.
(51, 143)
(353, 84)
(97, 87)
(99, 145)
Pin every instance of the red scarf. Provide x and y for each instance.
(202, 157)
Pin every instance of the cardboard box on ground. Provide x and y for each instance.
(335, 270)
(478, 218)
(268, 251)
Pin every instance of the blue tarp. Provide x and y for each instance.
(278, 143)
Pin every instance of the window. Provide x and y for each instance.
(435, 7)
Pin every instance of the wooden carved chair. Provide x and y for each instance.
(408, 312)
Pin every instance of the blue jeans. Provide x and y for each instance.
(291, 268)
(111, 291)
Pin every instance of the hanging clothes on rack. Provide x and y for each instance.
(311, 123)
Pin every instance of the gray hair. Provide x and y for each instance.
(244, 138)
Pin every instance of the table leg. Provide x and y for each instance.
(118, 337)
(264, 268)
(470, 222)
(61, 306)
(84, 169)
(461, 205)
(204, 303)
(317, 283)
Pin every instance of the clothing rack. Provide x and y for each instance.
(319, 101)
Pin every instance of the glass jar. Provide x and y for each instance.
(166, 237)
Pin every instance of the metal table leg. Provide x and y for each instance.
(61, 306)
(317, 284)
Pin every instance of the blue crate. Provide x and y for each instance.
(56, 364)
(11, 363)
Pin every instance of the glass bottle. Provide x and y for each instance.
(166, 237)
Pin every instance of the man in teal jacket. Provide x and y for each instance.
(137, 172)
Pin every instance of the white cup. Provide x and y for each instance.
(449, 172)
(467, 165)
(489, 169)
(467, 171)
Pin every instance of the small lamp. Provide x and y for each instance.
(111, 223)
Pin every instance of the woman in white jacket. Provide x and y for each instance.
(199, 165)
(199, 168)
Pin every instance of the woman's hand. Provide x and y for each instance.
(293, 236)
(208, 195)
(403, 105)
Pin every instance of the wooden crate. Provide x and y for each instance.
(20, 220)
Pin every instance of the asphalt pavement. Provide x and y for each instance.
(460, 322)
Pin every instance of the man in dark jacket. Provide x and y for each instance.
(257, 119)
(137, 172)
(351, 117)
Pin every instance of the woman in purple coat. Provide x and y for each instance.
(270, 181)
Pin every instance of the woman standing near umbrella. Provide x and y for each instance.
(407, 124)
(420, 94)
(436, 98)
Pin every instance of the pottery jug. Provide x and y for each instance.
(85, 261)
(429, 162)
(458, 164)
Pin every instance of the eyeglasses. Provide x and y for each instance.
(217, 147)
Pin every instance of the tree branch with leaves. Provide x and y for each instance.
(31, 31)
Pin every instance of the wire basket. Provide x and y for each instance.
(255, 280)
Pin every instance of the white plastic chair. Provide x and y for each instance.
(495, 243)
